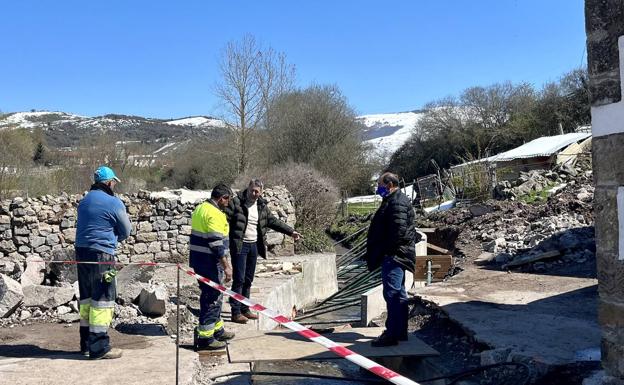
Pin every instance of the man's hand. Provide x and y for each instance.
(227, 269)
(296, 236)
(228, 273)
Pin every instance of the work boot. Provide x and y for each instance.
(203, 344)
(250, 315)
(239, 319)
(225, 336)
(110, 355)
(384, 340)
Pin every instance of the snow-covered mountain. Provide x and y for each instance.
(197, 121)
(67, 130)
(387, 132)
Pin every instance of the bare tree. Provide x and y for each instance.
(251, 77)
(317, 126)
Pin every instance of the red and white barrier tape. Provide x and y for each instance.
(357, 359)
(115, 263)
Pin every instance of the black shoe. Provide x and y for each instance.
(384, 340)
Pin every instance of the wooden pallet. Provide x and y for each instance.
(441, 264)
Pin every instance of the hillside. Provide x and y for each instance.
(67, 130)
(387, 132)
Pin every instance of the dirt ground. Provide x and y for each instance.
(34, 340)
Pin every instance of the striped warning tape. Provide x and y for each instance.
(115, 263)
(357, 359)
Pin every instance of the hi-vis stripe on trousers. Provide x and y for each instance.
(97, 301)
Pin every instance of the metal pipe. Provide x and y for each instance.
(178, 330)
(349, 285)
(338, 321)
(429, 273)
(329, 310)
(330, 305)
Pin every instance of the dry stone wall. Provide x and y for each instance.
(44, 228)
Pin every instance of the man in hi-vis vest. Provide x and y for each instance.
(209, 252)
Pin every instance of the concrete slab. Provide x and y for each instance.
(542, 317)
(27, 356)
(287, 346)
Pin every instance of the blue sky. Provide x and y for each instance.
(159, 58)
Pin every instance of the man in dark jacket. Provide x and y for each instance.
(391, 246)
(249, 219)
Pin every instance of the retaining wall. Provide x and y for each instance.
(317, 281)
(44, 228)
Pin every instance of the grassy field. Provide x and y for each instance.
(362, 208)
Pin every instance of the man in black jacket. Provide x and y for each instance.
(249, 219)
(391, 246)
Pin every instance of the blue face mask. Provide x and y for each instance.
(382, 191)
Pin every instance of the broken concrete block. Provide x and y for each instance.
(25, 314)
(131, 280)
(64, 272)
(11, 295)
(12, 265)
(63, 309)
(47, 297)
(34, 273)
(152, 301)
(485, 258)
(496, 245)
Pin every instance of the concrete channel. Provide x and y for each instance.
(317, 281)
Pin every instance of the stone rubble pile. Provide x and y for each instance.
(538, 180)
(536, 236)
(34, 230)
(512, 238)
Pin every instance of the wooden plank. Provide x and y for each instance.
(437, 249)
(256, 346)
(444, 262)
(532, 258)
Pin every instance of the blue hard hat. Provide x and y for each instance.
(103, 174)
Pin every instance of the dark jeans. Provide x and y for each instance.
(97, 301)
(393, 279)
(210, 300)
(243, 270)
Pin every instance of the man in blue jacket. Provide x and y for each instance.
(102, 222)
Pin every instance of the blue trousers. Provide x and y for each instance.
(243, 271)
(393, 280)
(210, 300)
(97, 301)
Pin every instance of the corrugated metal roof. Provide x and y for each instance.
(544, 146)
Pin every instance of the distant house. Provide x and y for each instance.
(541, 153)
